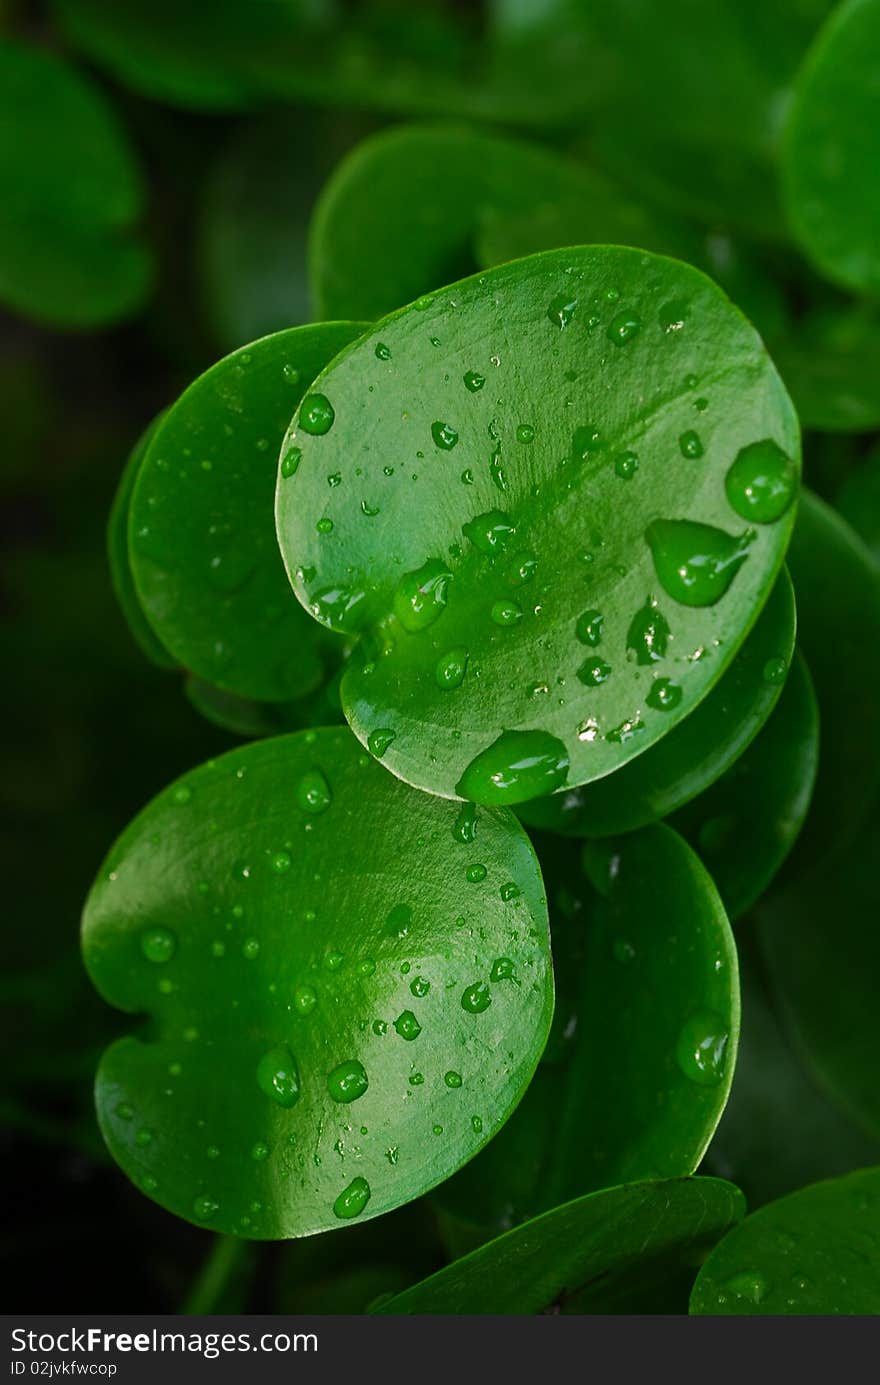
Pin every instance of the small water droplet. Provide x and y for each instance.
(278, 1076)
(158, 944)
(304, 999)
(421, 596)
(594, 671)
(444, 435)
(775, 671)
(626, 464)
(696, 563)
(476, 998)
(648, 634)
(525, 433)
(182, 794)
(702, 1048)
(250, 949)
(464, 829)
(623, 951)
(589, 627)
(313, 793)
(420, 986)
(316, 415)
(761, 482)
(451, 668)
(280, 862)
(452, 1079)
(260, 1151)
(324, 525)
(623, 327)
(509, 890)
(205, 1207)
(562, 309)
(352, 1201)
(506, 612)
(690, 445)
(382, 352)
(290, 461)
(475, 873)
(517, 766)
(491, 532)
(407, 1026)
(748, 1284)
(502, 970)
(663, 695)
(347, 1081)
(474, 381)
(379, 740)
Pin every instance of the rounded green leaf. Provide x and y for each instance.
(838, 597)
(858, 500)
(778, 1132)
(203, 551)
(812, 1252)
(401, 213)
(831, 149)
(698, 750)
(314, 947)
(821, 947)
(72, 193)
(599, 1251)
(246, 717)
(526, 461)
(746, 823)
(119, 559)
(643, 1047)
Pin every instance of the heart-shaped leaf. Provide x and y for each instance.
(71, 196)
(346, 999)
(838, 596)
(745, 825)
(859, 501)
(832, 148)
(599, 1251)
(533, 466)
(119, 560)
(643, 1047)
(203, 553)
(814, 1251)
(821, 946)
(698, 750)
(400, 214)
(778, 1132)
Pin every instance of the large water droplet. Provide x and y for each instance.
(290, 461)
(562, 309)
(648, 634)
(313, 792)
(464, 829)
(421, 595)
(352, 1201)
(158, 944)
(379, 740)
(702, 1048)
(278, 1076)
(316, 414)
(517, 766)
(761, 482)
(490, 532)
(663, 695)
(696, 563)
(451, 668)
(347, 1081)
(474, 381)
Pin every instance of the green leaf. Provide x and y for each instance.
(603, 1248)
(778, 1131)
(830, 361)
(72, 193)
(859, 501)
(642, 1051)
(318, 955)
(821, 946)
(838, 597)
(831, 149)
(401, 213)
(498, 529)
(245, 717)
(811, 1252)
(698, 750)
(253, 227)
(118, 558)
(746, 823)
(203, 551)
